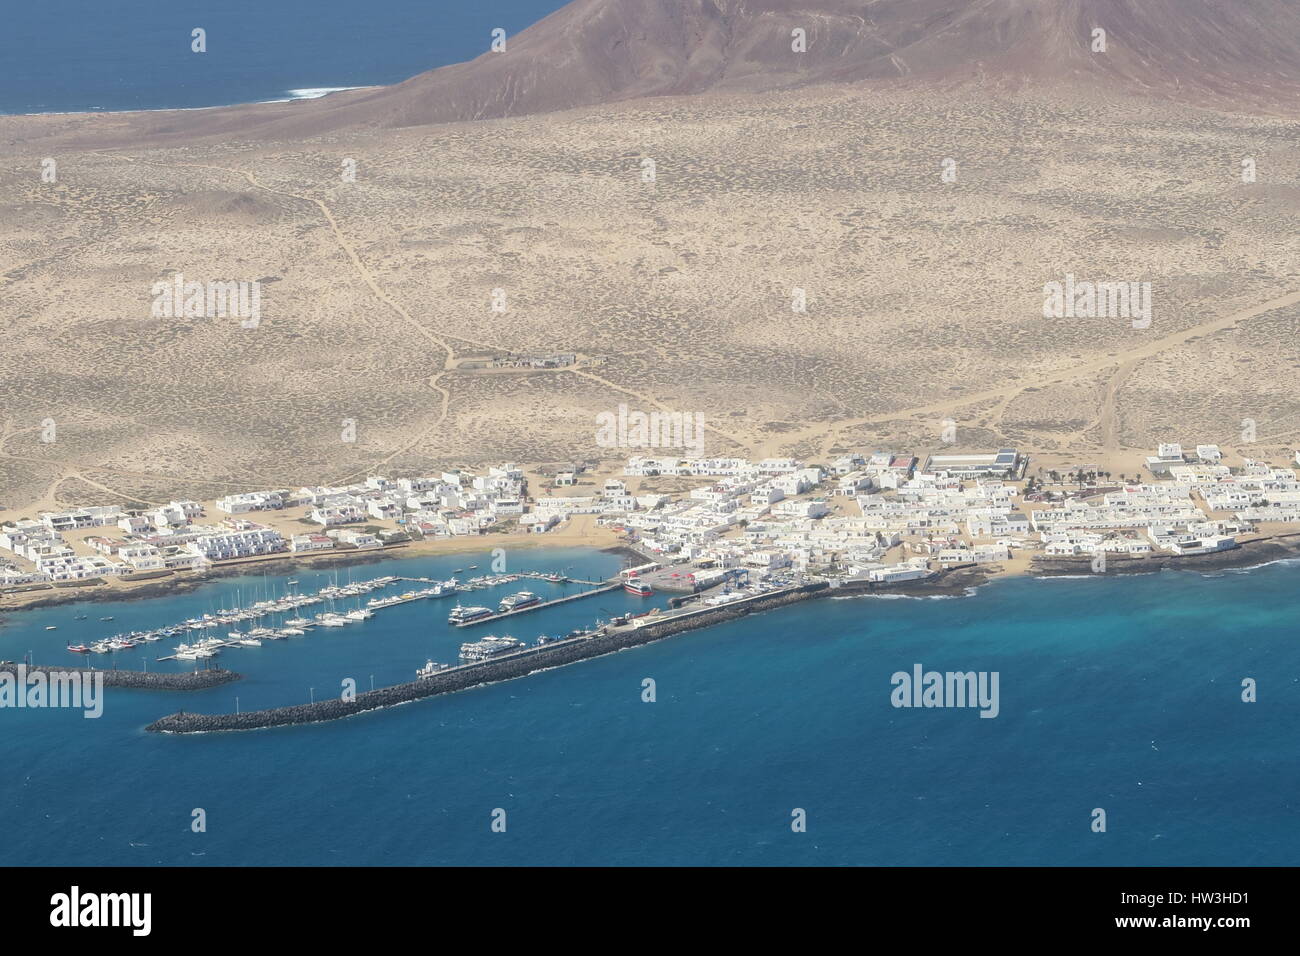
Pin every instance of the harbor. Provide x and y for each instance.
(273, 621)
(436, 681)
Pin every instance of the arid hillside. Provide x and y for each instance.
(812, 266)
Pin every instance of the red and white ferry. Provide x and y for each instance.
(634, 585)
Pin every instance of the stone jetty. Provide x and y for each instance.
(142, 680)
(502, 668)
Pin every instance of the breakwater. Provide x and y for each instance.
(143, 680)
(507, 667)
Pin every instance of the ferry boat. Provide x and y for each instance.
(460, 615)
(516, 602)
(637, 587)
(488, 647)
(79, 648)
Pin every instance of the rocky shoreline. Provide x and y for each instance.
(1247, 554)
(474, 675)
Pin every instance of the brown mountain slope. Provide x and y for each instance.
(1243, 53)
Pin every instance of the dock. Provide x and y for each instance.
(502, 615)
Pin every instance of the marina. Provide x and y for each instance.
(284, 617)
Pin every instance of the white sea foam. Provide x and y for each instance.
(316, 92)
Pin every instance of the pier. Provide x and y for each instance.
(143, 680)
(502, 615)
(506, 667)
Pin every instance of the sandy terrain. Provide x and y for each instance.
(924, 298)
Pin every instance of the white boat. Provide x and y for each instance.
(430, 668)
(292, 631)
(490, 646)
(250, 642)
(360, 614)
(52, 627)
(331, 620)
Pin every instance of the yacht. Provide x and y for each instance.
(360, 614)
(331, 620)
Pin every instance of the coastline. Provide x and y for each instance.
(957, 581)
(283, 563)
(466, 677)
(316, 92)
(954, 581)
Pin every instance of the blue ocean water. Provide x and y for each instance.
(1119, 693)
(76, 55)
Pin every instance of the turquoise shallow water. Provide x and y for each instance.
(1120, 693)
